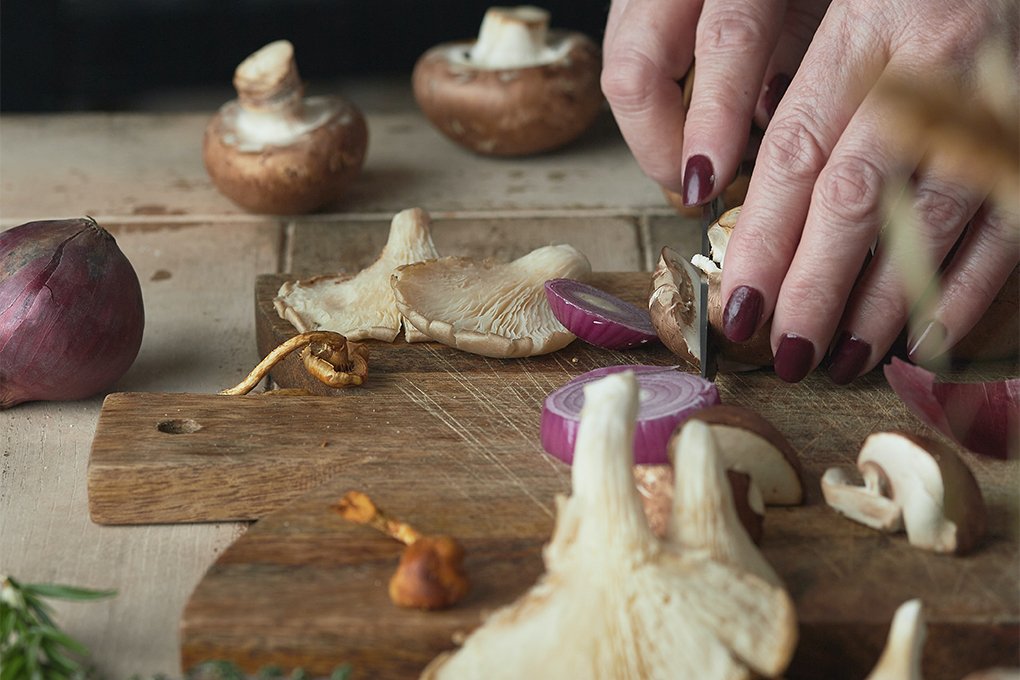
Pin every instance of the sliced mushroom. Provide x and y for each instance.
(748, 443)
(363, 306)
(901, 658)
(913, 482)
(496, 310)
(673, 305)
(617, 602)
(272, 150)
(519, 89)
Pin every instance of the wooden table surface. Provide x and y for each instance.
(197, 257)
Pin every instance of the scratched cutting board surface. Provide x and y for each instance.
(453, 447)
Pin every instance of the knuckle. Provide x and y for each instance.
(1001, 232)
(944, 211)
(792, 148)
(627, 79)
(850, 187)
(734, 30)
(810, 296)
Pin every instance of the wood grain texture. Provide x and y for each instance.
(453, 446)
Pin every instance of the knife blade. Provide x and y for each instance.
(710, 213)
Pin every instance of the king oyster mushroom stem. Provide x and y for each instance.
(901, 658)
(673, 305)
(274, 151)
(489, 308)
(623, 603)
(914, 483)
(518, 89)
(362, 306)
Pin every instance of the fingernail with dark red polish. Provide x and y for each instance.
(699, 178)
(794, 358)
(929, 344)
(743, 310)
(774, 94)
(848, 358)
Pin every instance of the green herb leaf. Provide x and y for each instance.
(65, 592)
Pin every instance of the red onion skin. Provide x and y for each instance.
(982, 417)
(71, 313)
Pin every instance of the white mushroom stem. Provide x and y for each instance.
(901, 658)
(704, 514)
(513, 37)
(273, 110)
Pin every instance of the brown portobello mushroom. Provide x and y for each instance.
(518, 89)
(673, 305)
(274, 151)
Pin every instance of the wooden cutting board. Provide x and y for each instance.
(450, 441)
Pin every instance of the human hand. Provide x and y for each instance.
(814, 206)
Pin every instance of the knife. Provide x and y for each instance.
(710, 213)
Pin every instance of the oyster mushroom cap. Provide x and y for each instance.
(518, 89)
(617, 602)
(917, 481)
(901, 658)
(489, 308)
(362, 306)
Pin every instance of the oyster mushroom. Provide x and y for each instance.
(487, 308)
(363, 306)
(911, 483)
(901, 658)
(617, 602)
(673, 305)
(518, 89)
(272, 150)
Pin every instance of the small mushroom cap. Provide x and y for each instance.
(511, 110)
(430, 574)
(750, 444)
(487, 308)
(363, 306)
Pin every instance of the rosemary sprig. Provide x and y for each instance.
(31, 644)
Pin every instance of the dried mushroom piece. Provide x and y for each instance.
(363, 306)
(617, 602)
(488, 308)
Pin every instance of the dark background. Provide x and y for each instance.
(114, 55)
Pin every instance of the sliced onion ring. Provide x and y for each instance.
(668, 398)
(983, 417)
(597, 317)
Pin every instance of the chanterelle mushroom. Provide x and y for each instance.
(616, 602)
(487, 308)
(915, 483)
(274, 151)
(519, 89)
(363, 306)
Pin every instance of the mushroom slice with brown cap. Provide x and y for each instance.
(616, 602)
(519, 89)
(363, 306)
(750, 444)
(915, 483)
(673, 305)
(901, 658)
(487, 308)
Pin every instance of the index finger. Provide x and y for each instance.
(649, 47)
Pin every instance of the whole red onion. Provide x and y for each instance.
(71, 314)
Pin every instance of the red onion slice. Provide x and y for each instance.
(983, 417)
(668, 397)
(597, 317)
